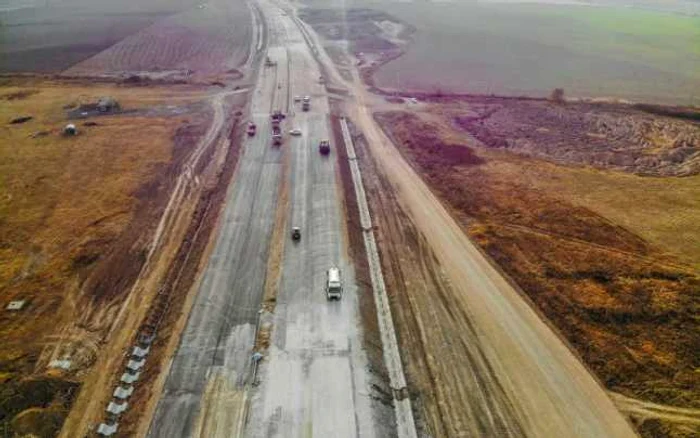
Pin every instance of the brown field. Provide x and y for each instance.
(52, 36)
(75, 216)
(623, 293)
(194, 42)
(173, 39)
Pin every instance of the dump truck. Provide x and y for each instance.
(306, 103)
(334, 285)
(324, 147)
(251, 129)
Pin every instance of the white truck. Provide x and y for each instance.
(334, 286)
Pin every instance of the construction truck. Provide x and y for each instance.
(324, 147)
(306, 103)
(251, 129)
(334, 286)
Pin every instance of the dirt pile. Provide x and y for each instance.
(625, 307)
(588, 134)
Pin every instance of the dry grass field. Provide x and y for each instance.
(589, 247)
(74, 215)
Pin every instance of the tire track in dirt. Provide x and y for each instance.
(645, 410)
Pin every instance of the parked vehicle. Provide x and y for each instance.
(334, 285)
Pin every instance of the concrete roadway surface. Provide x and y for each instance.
(212, 362)
(315, 380)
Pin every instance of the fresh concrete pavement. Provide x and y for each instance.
(315, 378)
(315, 381)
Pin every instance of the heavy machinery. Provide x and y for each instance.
(251, 129)
(324, 147)
(334, 286)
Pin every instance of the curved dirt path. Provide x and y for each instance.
(646, 410)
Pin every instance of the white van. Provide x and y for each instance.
(334, 286)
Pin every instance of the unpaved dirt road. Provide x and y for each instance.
(189, 185)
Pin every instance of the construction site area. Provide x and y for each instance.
(214, 223)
